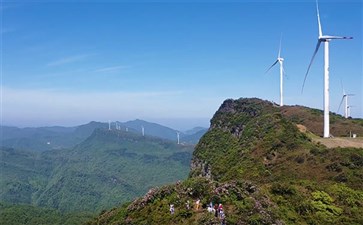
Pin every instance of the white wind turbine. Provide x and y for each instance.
(282, 72)
(143, 130)
(178, 136)
(346, 106)
(348, 109)
(325, 39)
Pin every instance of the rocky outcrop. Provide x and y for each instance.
(200, 168)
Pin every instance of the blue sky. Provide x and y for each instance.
(70, 62)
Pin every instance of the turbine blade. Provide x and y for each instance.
(283, 71)
(317, 11)
(271, 66)
(336, 37)
(341, 83)
(340, 104)
(311, 62)
(280, 46)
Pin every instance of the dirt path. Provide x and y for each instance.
(340, 142)
(335, 141)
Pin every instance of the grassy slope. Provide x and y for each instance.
(264, 170)
(313, 119)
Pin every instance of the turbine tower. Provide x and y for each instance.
(282, 72)
(326, 39)
(348, 110)
(109, 125)
(178, 136)
(143, 130)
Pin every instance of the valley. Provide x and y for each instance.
(108, 168)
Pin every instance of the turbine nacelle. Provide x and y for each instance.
(280, 59)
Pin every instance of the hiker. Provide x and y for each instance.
(172, 209)
(220, 207)
(222, 217)
(197, 204)
(216, 210)
(187, 205)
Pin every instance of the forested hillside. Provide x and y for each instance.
(107, 169)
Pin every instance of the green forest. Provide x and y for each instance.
(107, 169)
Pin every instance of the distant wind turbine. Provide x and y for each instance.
(348, 110)
(346, 106)
(109, 125)
(143, 130)
(325, 39)
(282, 72)
(178, 135)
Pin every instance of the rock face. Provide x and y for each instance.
(263, 169)
(229, 124)
(230, 110)
(202, 167)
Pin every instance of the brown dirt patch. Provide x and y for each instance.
(340, 142)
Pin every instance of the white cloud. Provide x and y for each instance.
(68, 59)
(111, 69)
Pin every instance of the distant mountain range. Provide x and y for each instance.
(57, 137)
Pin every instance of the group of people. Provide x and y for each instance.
(217, 209)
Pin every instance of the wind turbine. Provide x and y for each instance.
(143, 130)
(282, 71)
(178, 135)
(109, 125)
(346, 107)
(348, 110)
(326, 39)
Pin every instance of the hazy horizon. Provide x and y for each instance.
(176, 124)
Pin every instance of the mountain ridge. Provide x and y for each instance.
(263, 169)
(58, 137)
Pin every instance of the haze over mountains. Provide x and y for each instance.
(57, 137)
(86, 168)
